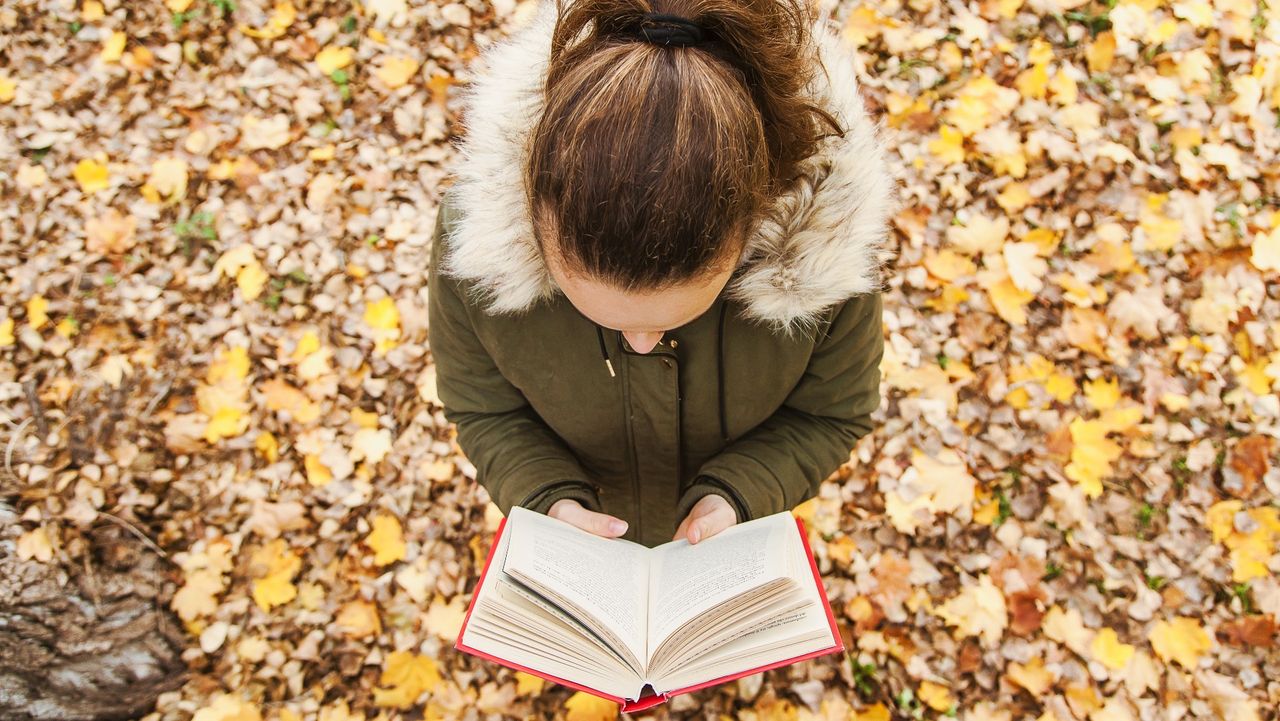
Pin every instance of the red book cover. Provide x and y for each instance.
(630, 705)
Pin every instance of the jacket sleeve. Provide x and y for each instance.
(519, 460)
(781, 462)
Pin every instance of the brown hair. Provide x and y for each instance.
(650, 165)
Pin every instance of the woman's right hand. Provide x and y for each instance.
(572, 512)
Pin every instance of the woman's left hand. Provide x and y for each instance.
(709, 516)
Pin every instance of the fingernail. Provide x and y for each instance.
(617, 527)
(694, 535)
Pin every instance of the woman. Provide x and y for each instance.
(654, 286)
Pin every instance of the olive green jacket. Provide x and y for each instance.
(757, 400)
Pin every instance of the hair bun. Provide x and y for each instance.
(666, 29)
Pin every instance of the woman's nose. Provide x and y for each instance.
(642, 342)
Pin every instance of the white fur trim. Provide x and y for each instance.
(823, 241)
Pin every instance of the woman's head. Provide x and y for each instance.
(651, 164)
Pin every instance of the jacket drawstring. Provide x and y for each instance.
(724, 432)
(724, 428)
(604, 352)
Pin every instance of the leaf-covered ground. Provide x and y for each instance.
(214, 234)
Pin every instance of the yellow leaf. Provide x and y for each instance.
(230, 365)
(527, 684)
(6, 333)
(318, 474)
(1101, 52)
(583, 706)
(386, 540)
(1159, 231)
(66, 327)
(979, 234)
(947, 264)
(978, 610)
(334, 58)
(35, 544)
(232, 261)
(267, 445)
(276, 565)
(363, 418)
(228, 707)
(937, 696)
(281, 18)
(1033, 676)
(1009, 300)
(445, 619)
(1091, 455)
(394, 72)
(1024, 265)
(382, 314)
(37, 311)
(169, 178)
(1067, 628)
(113, 46)
(1034, 81)
(370, 444)
(280, 396)
(1181, 640)
(1013, 197)
(1265, 254)
(940, 484)
(1109, 651)
(359, 619)
(1063, 88)
(979, 103)
(251, 280)
(878, 712)
(1102, 394)
(948, 146)
(8, 88)
(405, 676)
(92, 176)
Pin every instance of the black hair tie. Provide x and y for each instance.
(673, 30)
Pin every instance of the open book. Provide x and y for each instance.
(612, 617)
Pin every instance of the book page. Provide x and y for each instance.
(687, 580)
(517, 630)
(603, 578)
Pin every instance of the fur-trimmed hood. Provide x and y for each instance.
(823, 242)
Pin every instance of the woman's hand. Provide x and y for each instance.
(572, 512)
(709, 516)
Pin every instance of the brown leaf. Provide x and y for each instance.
(1250, 631)
(1248, 463)
(1026, 611)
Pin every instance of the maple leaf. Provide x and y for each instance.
(929, 486)
(1109, 651)
(386, 540)
(978, 610)
(1032, 676)
(405, 677)
(396, 71)
(277, 566)
(1181, 640)
(92, 176)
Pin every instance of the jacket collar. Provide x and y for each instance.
(823, 242)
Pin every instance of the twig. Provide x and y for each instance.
(165, 386)
(37, 409)
(13, 441)
(134, 530)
